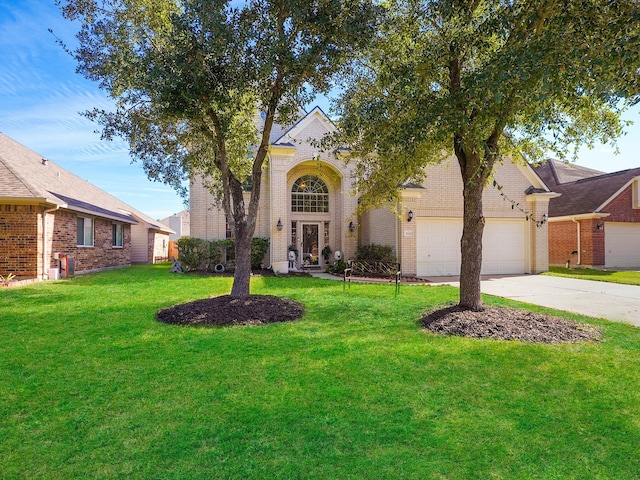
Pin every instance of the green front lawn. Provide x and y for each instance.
(625, 277)
(93, 387)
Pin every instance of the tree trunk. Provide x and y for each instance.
(242, 275)
(471, 246)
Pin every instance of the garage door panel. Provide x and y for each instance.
(438, 244)
(438, 247)
(622, 245)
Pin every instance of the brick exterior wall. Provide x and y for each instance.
(371, 231)
(101, 255)
(563, 240)
(21, 246)
(621, 208)
(20, 240)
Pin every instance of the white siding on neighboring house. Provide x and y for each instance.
(139, 244)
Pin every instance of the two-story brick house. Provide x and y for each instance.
(308, 201)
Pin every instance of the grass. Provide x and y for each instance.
(624, 277)
(93, 387)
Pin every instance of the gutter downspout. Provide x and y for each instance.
(45, 264)
(577, 222)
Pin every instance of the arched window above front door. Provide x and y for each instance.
(310, 194)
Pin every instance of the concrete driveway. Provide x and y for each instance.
(620, 303)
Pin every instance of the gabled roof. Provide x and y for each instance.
(27, 177)
(552, 172)
(301, 124)
(590, 195)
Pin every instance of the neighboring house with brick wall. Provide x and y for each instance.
(46, 211)
(596, 220)
(308, 201)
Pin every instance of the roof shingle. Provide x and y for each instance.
(26, 175)
(587, 193)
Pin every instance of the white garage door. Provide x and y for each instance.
(504, 247)
(622, 245)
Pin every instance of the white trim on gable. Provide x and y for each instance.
(300, 125)
(534, 197)
(531, 175)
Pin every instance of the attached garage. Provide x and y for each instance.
(622, 245)
(504, 247)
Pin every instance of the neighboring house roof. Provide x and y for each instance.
(591, 194)
(552, 172)
(185, 222)
(27, 177)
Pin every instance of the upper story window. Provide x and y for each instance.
(117, 235)
(310, 194)
(85, 232)
(228, 231)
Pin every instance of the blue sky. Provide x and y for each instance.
(41, 97)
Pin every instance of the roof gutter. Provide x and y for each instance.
(114, 217)
(44, 201)
(580, 216)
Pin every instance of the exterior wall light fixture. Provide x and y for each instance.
(279, 225)
(352, 227)
(410, 215)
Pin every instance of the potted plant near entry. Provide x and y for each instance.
(326, 251)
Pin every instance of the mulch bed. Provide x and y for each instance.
(226, 310)
(508, 324)
(493, 322)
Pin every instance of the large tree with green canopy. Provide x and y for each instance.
(481, 79)
(190, 76)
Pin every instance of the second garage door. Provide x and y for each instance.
(504, 247)
(622, 245)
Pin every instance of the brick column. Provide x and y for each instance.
(277, 208)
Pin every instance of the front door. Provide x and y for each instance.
(310, 244)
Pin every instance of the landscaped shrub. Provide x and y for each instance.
(381, 253)
(198, 254)
(338, 267)
(259, 247)
(220, 251)
(193, 253)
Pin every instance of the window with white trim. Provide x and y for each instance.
(117, 235)
(85, 232)
(310, 194)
